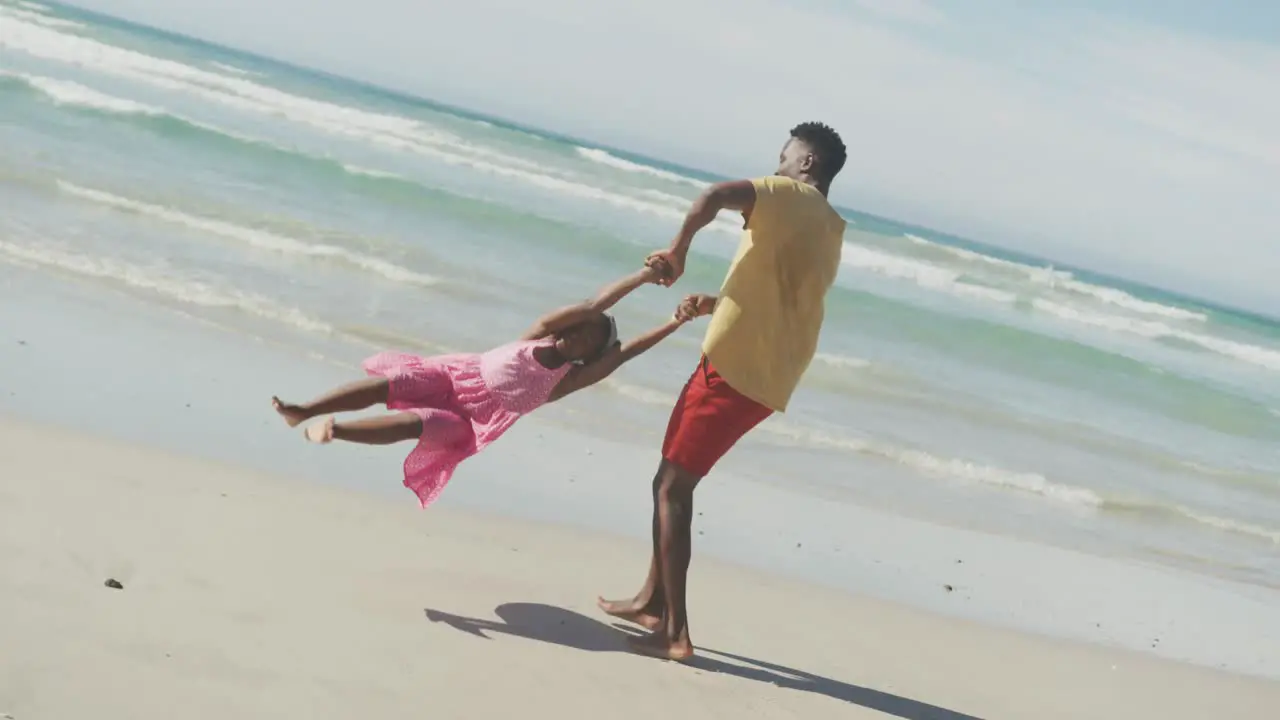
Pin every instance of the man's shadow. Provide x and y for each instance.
(550, 624)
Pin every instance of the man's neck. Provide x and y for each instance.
(808, 179)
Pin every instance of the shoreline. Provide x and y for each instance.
(208, 399)
(250, 595)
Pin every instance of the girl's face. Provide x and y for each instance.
(584, 340)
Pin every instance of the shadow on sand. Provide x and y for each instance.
(558, 626)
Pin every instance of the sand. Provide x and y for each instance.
(248, 596)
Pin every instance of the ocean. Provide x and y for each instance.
(956, 382)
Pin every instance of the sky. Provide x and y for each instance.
(1137, 137)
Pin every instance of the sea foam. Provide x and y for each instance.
(252, 236)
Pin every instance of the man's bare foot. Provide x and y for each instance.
(320, 432)
(292, 414)
(626, 611)
(657, 645)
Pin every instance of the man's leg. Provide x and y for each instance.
(709, 417)
(646, 607)
(674, 488)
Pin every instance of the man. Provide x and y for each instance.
(763, 334)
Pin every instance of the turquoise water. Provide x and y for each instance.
(956, 381)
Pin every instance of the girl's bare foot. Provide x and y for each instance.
(320, 432)
(292, 414)
(657, 645)
(626, 611)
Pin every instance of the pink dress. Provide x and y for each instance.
(465, 401)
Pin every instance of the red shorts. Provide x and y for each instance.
(707, 420)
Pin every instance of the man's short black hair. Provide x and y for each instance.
(826, 145)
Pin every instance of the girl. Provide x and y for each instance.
(456, 405)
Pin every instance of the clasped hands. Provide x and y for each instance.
(669, 266)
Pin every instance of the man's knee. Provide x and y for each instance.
(673, 482)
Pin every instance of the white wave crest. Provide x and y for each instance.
(370, 172)
(1063, 280)
(1262, 357)
(1119, 298)
(32, 12)
(613, 161)
(1037, 273)
(65, 92)
(1183, 513)
(948, 468)
(251, 236)
(389, 131)
(160, 281)
(234, 70)
(1231, 526)
(923, 274)
(842, 361)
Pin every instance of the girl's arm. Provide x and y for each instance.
(571, 315)
(592, 373)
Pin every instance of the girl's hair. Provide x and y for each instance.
(610, 337)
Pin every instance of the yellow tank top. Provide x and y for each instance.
(764, 331)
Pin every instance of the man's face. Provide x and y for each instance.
(795, 159)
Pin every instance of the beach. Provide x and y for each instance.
(955, 382)
(247, 596)
(263, 576)
(1006, 488)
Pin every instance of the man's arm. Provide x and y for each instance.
(737, 195)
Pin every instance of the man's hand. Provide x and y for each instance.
(656, 271)
(695, 306)
(670, 261)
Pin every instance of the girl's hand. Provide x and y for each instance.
(695, 306)
(673, 263)
(656, 271)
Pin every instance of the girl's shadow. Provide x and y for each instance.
(550, 624)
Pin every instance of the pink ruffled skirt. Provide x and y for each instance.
(459, 414)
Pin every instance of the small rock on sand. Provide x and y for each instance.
(113, 584)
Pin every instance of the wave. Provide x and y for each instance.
(251, 236)
(169, 124)
(1025, 482)
(604, 158)
(392, 132)
(843, 362)
(951, 280)
(160, 281)
(1180, 513)
(37, 14)
(1053, 278)
(371, 172)
(64, 92)
(234, 70)
(1122, 299)
(927, 464)
(1253, 354)
(922, 274)
(968, 472)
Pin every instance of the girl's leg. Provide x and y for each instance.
(381, 430)
(357, 395)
